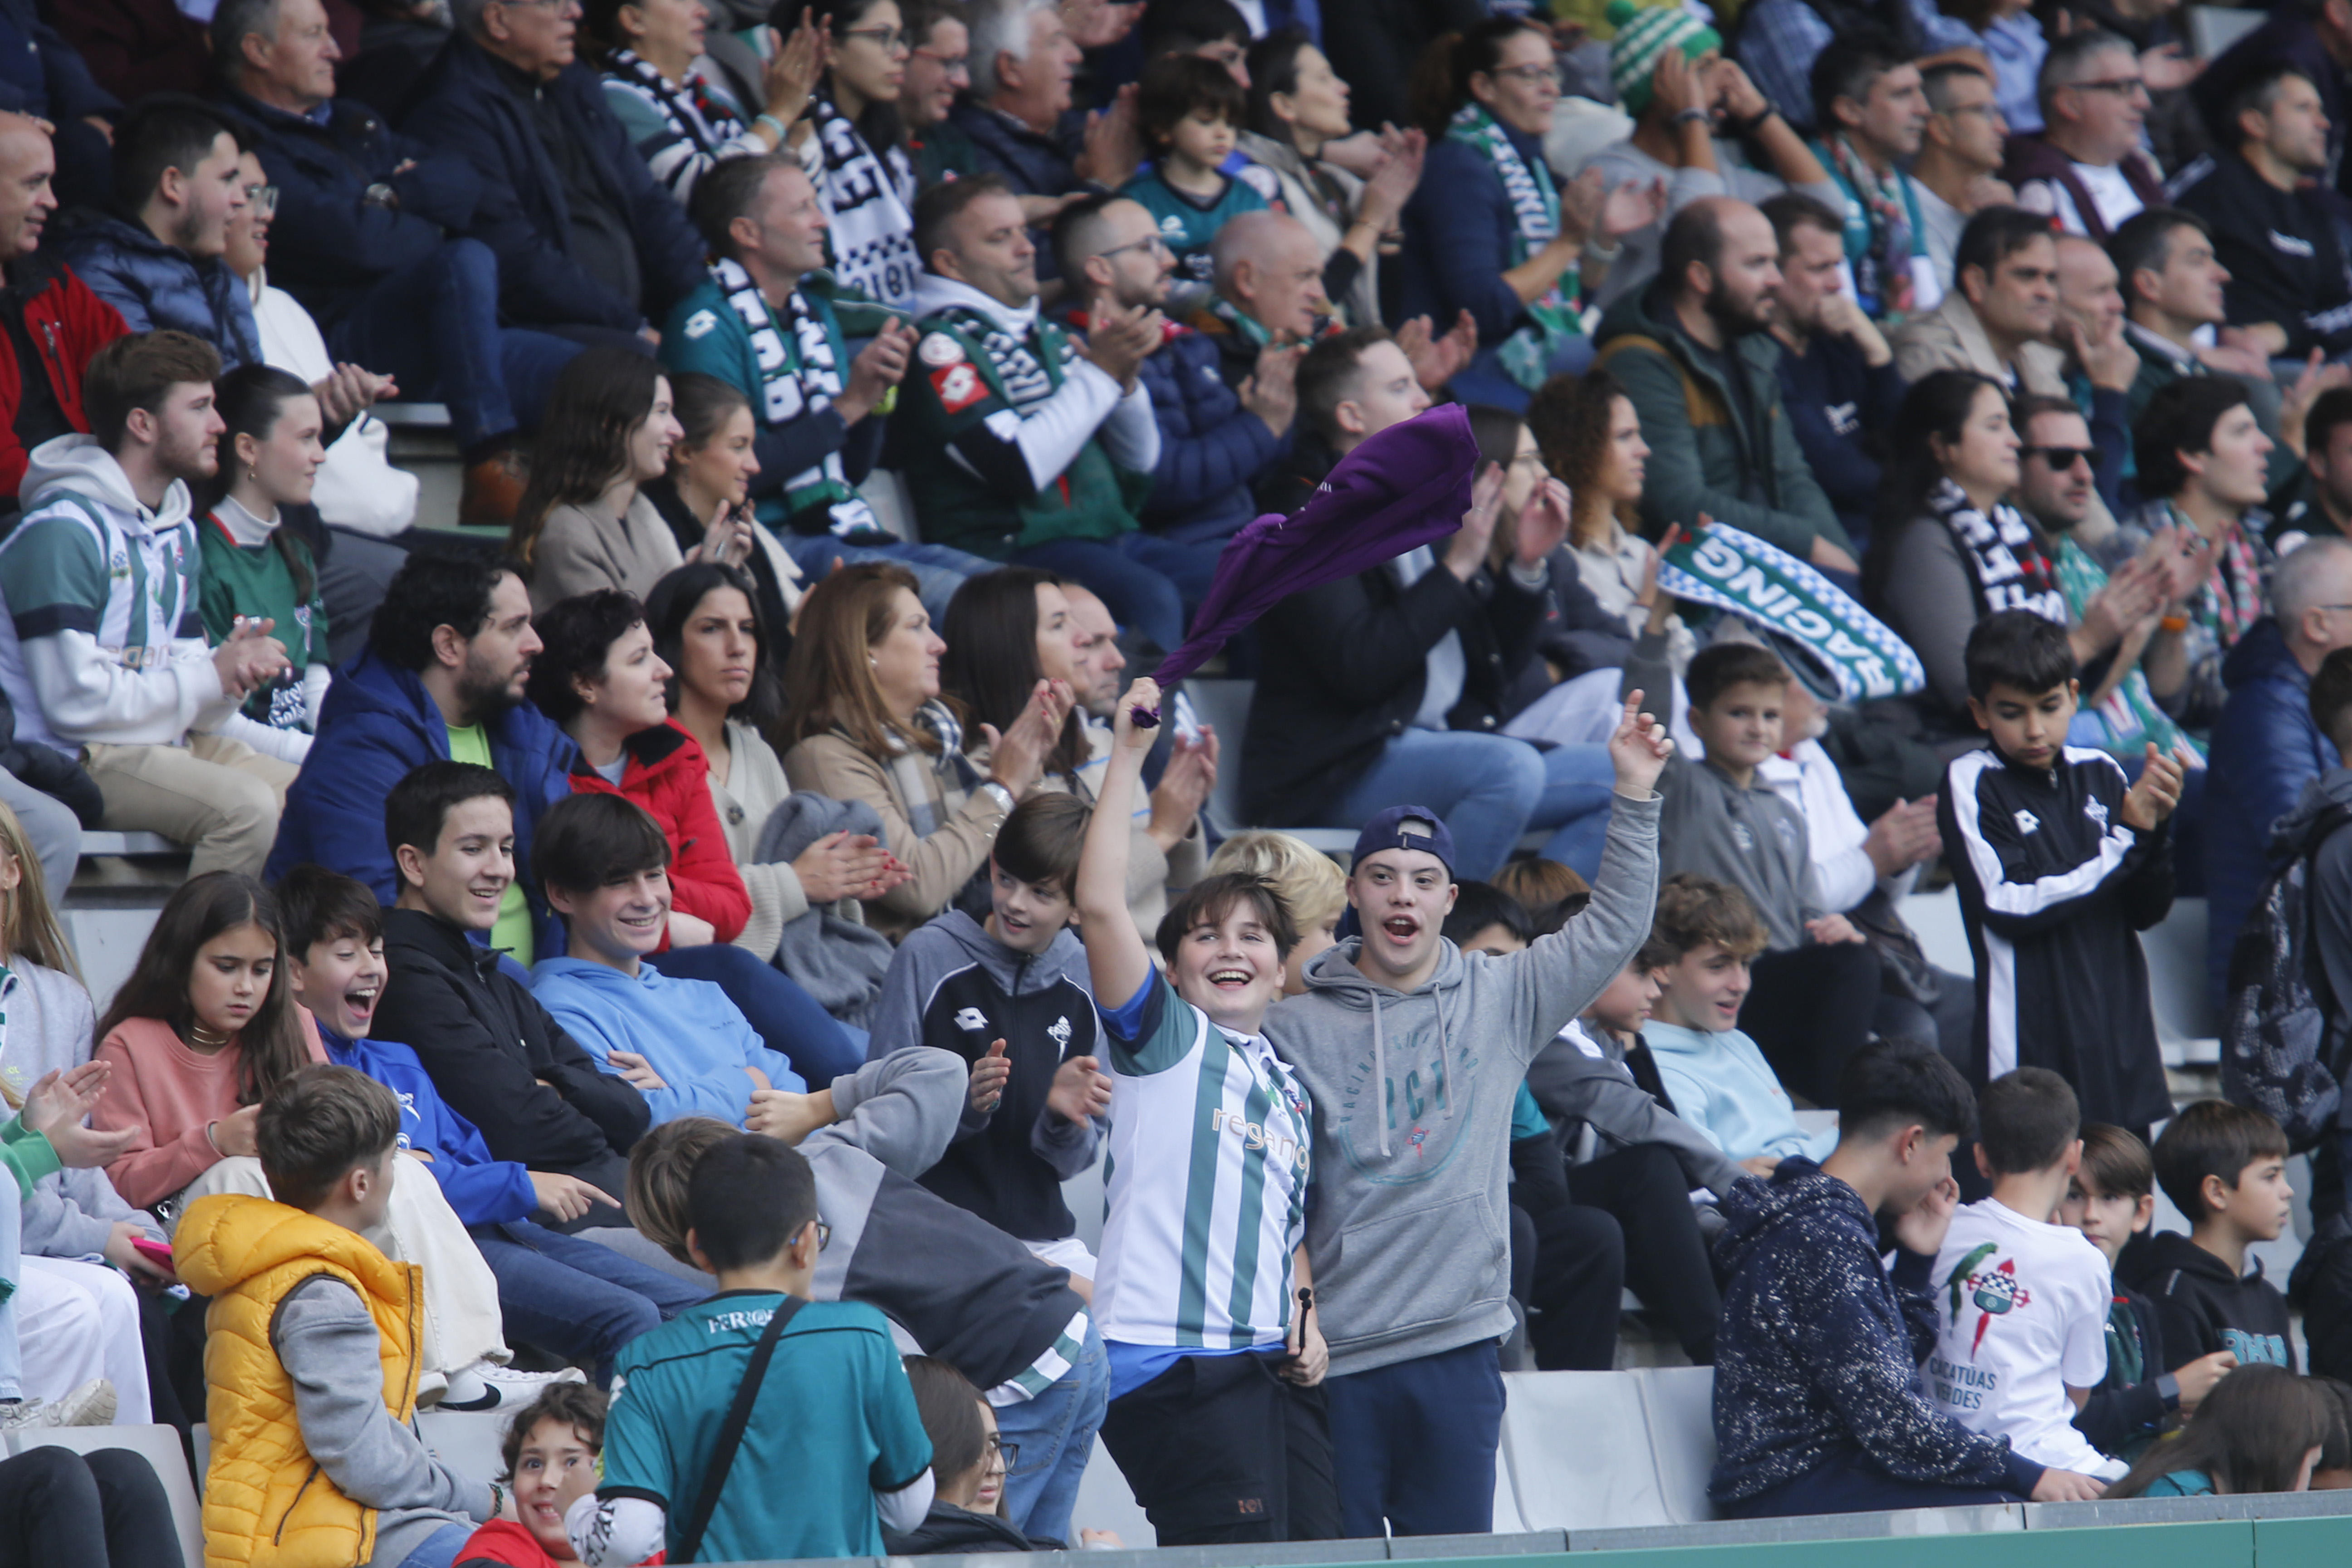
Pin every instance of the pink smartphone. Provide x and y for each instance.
(156, 1253)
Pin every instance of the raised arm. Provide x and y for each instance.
(1117, 959)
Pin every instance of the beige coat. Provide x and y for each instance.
(830, 765)
(582, 549)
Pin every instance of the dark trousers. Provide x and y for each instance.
(1666, 1263)
(1220, 1450)
(582, 1301)
(1809, 1008)
(432, 326)
(789, 1020)
(1851, 1483)
(58, 1507)
(1568, 1269)
(1414, 1444)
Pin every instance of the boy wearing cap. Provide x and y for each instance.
(1412, 1053)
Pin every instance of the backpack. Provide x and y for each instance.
(2280, 1049)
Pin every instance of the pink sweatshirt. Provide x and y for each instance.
(169, 1092)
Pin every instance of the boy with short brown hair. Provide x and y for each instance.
(2223, 1166)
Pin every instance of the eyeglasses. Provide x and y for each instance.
(1532, 457)
(1009, 1453)
(954, 65)
(824, 1234)
(1153, 243)
(262, 199)
(2062, 459)
(2122, 86)
(889, 40)
(1528, 75)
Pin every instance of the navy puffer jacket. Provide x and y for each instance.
(1211, 449)
(156, 285)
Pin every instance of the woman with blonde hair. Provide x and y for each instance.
(864, 721)
(1307, 880)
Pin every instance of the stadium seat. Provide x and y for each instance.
(2185, 1023)
(159, 1446)
(1578, 1447)
(466, 1440)
(1224, 706)
(1678, 1403)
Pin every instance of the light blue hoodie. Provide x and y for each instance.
(695, 1037)
(1721, 1084)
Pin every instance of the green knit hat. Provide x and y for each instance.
(1643, 33)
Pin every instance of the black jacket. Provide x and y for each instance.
(2055, 891)
(493, 1052)
(949, 1529)
(2284, 250)
(2138, 1397)
(2201, 1307)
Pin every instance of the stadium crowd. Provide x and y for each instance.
(663, 927)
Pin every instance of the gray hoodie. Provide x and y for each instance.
(1599, 1092)
(1408, 1224)
(71, 1212)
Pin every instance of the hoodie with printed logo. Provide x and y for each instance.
(1408, 1220)
(954, 987)
(2201, 1307)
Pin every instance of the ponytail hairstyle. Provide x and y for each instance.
(250, 400)
(1441, 78)
(271, 1044)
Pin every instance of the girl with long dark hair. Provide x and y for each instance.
(708, 489)
(850, 146)
(2260, 1430)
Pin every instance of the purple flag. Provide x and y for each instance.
(1403, 489)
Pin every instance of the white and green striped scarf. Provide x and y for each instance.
(1527, 353)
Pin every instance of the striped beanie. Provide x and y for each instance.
(1643, 33)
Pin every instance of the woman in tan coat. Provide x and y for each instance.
(864, 721)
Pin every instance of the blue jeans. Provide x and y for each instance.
(1149, 583)
(1056, 1434)
(434, 327)
(939, 569)
(1413, 1444)
(440, 1547)
(1488, 790)
(575, 1297)
(789, 1020)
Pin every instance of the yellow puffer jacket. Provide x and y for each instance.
(267, 1505)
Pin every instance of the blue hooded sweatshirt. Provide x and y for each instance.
(1818, 1359)
(482, 1190)
(694, 1038)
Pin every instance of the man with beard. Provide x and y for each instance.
(442, 678)
(1692, 353)
(101, 652)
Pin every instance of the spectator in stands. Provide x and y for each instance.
(2111, 1199)
(1189, 111)
(2085, 169)
(1871, 116)
(1008, 629)
(849, 145)
(599, 678)
(1729, 452)
(1818, 1403)
(1017, 116)
(2274, 225)
(1298, 108)
(708, 487)
(368, 244)
(1429, 1367)
(1837, 372)
(864, 722)
(1958, 171)
(1952, 550)
(1047, 450)
(497, 1058)
(970, 1459)
(770, 321)
(1694, 116)
(679, 116)
(580, 1301)
(135, 47)
(865, 1462)
(553, 1451)
(44, 303)
(364, 503)
(1311, 886)
(1215, 443)
(2024, 1380)
(2323, 506)
(2312, 40)
(587, 243)
(584, 525)
(159, 262)
(1350, 385)
(939, 69)
(604, 864)
(257, 566)
(142, 707)
(2174, 289)
(2055, 909)
(307, 1305)
(1008, 996)
(1198, 1419)
(2000, 320)
(2267, 746)
(1486, 232)
(442, 679)
(48, 80)
(2224, 1167)
(2263, 1432)
(1004, 1318)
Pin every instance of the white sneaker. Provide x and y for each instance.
(92, 1404)
(486, 1385)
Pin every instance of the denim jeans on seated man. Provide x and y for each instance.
(1490, 789)
(581, 1300)
(1056, 1431)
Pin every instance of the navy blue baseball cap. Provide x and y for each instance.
(1406, 827)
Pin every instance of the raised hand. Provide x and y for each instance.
(1127, 734)
(1184, 788)
(1543, 523)
(1639, 750)
(790, 77)
(1904, 836)
(1114, 143)
(844, 866)
(1018, 756)
(1467, 550)
(2153, 798)
(1631, 206)
(1272, 390)
(1081, 1089)
(989, 1074)
(1922, 1229)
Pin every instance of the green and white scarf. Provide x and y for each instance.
(799, 373)
(1527, 355)
(1840, 649)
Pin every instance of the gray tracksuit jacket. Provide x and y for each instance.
(1615, 1112)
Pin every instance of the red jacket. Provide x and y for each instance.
(67, 323)
(669, 775)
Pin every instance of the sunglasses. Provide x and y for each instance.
(2060, 458)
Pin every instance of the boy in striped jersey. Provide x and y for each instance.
(1412, 1053)
(1216, 1417)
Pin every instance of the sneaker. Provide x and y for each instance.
(92, 1404)
(502, 1387)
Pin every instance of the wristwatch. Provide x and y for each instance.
(1693, 112)
(381, 195)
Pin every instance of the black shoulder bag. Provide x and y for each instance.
(730, 1435)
